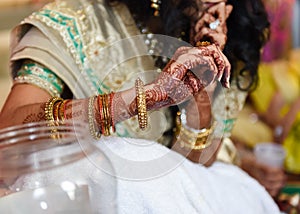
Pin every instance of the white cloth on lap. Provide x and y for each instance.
(183, 186)
(150, 178)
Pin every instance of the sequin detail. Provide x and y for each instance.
(40, 76)
(69, 28)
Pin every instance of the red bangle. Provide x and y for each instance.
(99, 100)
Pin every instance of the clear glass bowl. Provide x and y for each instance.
(53, 168)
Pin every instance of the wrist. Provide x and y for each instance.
(190, 138)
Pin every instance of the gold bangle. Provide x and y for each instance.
(106, 115)
(91, 118)
(195, 140)
(49, 108)
(49, 115)
(61, 110)
(141, 104)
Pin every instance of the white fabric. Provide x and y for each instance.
(153, 179)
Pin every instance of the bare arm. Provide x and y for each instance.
(26, 103)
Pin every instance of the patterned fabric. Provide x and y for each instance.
(36, 74)
(90, 48)
(82, 44)
(292, 147)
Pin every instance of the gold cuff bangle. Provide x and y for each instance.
(141, 104)
(91, 118)
(195, 140)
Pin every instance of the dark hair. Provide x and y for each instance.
(248, 31)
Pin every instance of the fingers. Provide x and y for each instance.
(215, 36)
(193, 82)
(273, 179)
(221, 62)
(206, 63)
(218, 33)
(219, 11)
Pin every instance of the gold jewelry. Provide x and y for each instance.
(141, 104)
(91, 118)
(106, 115)
(203, 43)
(105, 119)
(51, 116)
(190, 138)
(155, 4)
(49, 108)
(61, 110)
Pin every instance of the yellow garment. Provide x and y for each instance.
(249, 130)
(273, 77)
(281, 76)
(292, 147)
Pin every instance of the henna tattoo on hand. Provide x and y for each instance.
(36, 117)
(122, 111)
(166, 91)
(77, 110)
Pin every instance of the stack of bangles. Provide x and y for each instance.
(105, 118)
(190, 138)
(101, 122)
(55, 111)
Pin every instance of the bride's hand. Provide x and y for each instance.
(212, 24)
(189, 71)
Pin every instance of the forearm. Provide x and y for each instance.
(75, 109)
(123, 105)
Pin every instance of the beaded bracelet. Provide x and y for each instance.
(91, 118)
(141, 104)
(50, 115)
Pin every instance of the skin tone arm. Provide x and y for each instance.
(273, 179)
(199, 113)
(26, 102)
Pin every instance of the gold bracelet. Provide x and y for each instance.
(141, 104)
(105, 121)
(49, 115)
(61, 110)
(49, 108)
(91, 118)
(195, 140)
(106, 115)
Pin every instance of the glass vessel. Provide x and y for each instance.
(53, 168)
